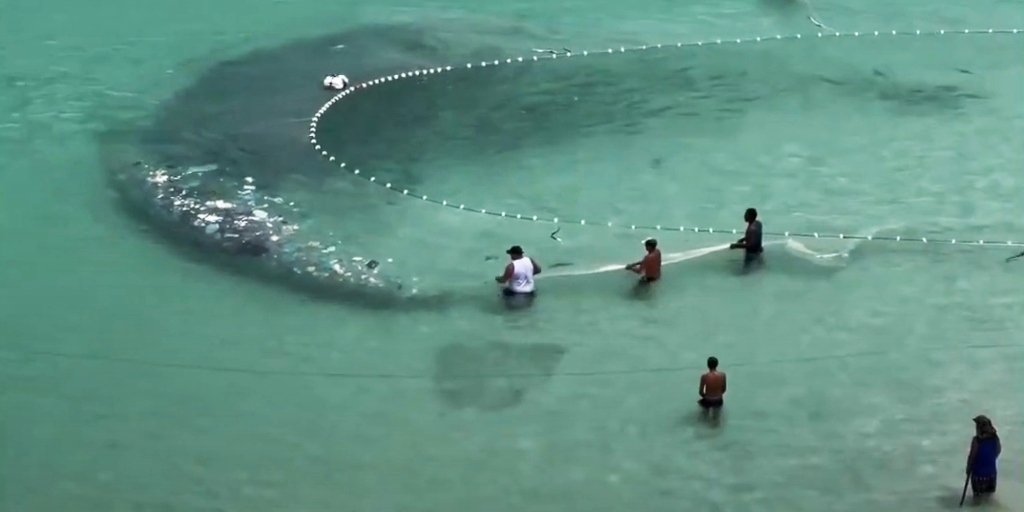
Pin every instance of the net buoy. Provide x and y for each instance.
(550, 54)
(336, 82)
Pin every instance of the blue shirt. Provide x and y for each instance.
(985, 457)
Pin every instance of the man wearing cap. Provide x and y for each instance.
(649, 267)
(518, 276)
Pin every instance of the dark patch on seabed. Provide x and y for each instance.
(210, 167)
(494, 376)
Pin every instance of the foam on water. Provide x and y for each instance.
(666, 259)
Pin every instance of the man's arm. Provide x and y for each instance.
(639, 266)
(700, 389)
(751, 235)
(504, 278)
(536, 266)
(650, 264)
(723, 384)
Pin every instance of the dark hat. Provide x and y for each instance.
(515, 249)
(984, 426)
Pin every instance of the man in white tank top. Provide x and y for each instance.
(518, 276)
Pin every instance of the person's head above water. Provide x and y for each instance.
(712, 363)
(750, 215)
(515, 252)
(983, 426)
(336, 82)
(650, 244)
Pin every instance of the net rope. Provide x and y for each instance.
(370, 177)
(20, 357)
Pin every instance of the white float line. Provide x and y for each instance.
(582, 222)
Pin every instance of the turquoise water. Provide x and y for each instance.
(136, 376)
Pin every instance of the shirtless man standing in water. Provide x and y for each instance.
(712, 389)
(751, 241)
(649, 267)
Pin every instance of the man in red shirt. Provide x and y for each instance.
(649, 268)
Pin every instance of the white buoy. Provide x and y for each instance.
(336, 82)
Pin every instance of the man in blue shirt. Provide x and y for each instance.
(751, 241)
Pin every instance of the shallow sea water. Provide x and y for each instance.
(134, 377)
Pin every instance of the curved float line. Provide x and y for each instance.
(135, 362)
(660, 227)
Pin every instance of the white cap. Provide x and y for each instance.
(327, 80)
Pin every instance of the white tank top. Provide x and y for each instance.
(522, 276)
